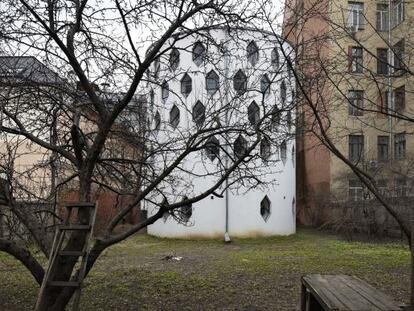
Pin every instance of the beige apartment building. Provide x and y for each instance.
(354, 63)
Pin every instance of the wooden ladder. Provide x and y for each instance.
(57, 251)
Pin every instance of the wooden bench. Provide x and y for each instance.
(343, 293)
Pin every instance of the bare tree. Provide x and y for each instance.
(88, 136)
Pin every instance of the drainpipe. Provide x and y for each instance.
(390, 107)
(226, 159)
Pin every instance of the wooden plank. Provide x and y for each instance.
(75, 227)
(376, 297)
(72, 253)
(342, 292)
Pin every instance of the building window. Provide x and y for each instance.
(356, 61)
(283, 92)
(253, 113)
(186, 211)
(399, 55)
(401, 187)
(283, 151)
(356, 148)
(275, 118)
(382, 187)
(382, 61)
(174, 116)
(265, 84)
(240, 147)
(186, 85)
(399, 99)
(356, 15)
(265, 208)
(199, 53)
(356, 191)
(174, 59)
(240, 82)
(383, 148)
(157, 121)
(165, 90)
(212, 148)
(398, 12)
(199, 113)
(265, 148)
(252, 53)
(156, 67)
(399, 146)
(274, 58)
(212, 82)
(382, 17)
(356, 103)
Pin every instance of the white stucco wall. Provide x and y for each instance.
(209, 215)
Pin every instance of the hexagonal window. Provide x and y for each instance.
(165, 90)
(212, 148)
(186, 211)
(265, 149)
(275, 119)
(157, 121)
(240, 147)
(156, 67)
(283, 92)
(252, 53)
(174, 116)
(186, 85)
(199, 113)
(283, 151)
(174, 59)
(212, 82)
(265, 84)
(199, 53)
(274, 56)
(253, 113)
(240, 82)
(265, 208)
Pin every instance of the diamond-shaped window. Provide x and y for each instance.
(265, 208)
(199, 113)
(174, 116)
(275, 58)
(186, 85)
(252, 53)
(212, 82)
(265, 84)
(199, 53)
(253, 113)
(240, 82)
(165, 90)
(265, 149)
(240, 147)
(212, 148)
(283, 92)
(174, 59)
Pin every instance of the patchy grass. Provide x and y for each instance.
(248, 274)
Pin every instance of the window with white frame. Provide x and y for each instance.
(397, 12)
(382, 17)
(399, 146)
(356, 103)
(401, 187)
(356, 148)
(355, 190)
(356, 15)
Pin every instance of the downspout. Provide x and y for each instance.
(390, 70)
(226, 159)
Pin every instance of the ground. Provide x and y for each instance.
(246, 275)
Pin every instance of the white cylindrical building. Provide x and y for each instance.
(224, 78)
